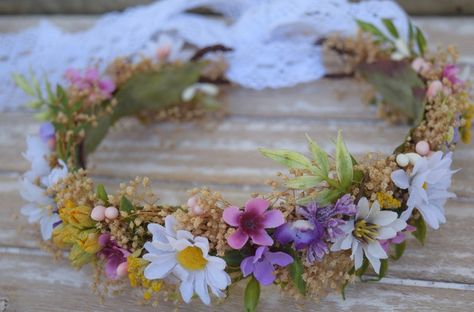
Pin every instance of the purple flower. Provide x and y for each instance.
(46, 131)
(252, 223)
(451, 73)
(263, 264)
(321, 224)
(113, 255)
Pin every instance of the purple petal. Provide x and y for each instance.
(399, 238)
(111, 267)
(46, 131)
(284, 234)
(91, 75)
(238, 239)
(107, 86)
(259, 253)
(104, 239)
(262, 238)
(246, 266)
(279, 258)
(232, 215)
(257, 206)
(263, 272)
(273, 219)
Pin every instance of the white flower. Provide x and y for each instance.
(362, 235)
(37, 153)
(402, 50)
(40, 207)
(186, 257)
(427, 185)
(206, 88)
(35, 182)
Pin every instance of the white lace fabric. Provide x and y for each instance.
(272, 40)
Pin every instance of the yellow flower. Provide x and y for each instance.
(79, 257)
(466, 129)
(79, 216)
(387, 201)
(89, 241)
(136, 266)
(65, 235)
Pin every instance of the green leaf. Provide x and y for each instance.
(420, 232)
(324, 197)
(390, 27)
(23, 84)
(343, 163)
(319, 156)
(234, 257)
(371, 28)
(125, 204)
(95, 135)
(102, 194)
(304, 182)
(287, 158)
(399, 85)
(252, 295)
(420, 41)
(411, 36)
(399, 250)
(358, 176)
(296, 271)
(361, 271)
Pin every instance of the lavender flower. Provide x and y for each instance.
(114, 256)
(320, 225)
(263, 264)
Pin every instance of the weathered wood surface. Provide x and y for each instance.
(222, 154)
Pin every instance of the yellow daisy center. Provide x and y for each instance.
(425, 185)
(191, 258)
(366, 232)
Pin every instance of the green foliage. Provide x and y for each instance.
(420, 41)
(372, 29)
(318, 171)
(399, 249)
(343, 163)
(234, 257)
(252, 295)
(399, 85)
(296, 271)
(102, 194)
(149, 92)
(390, 27)
(420, 232)
(287, 158)
(125, 204)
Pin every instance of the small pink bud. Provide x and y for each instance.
(434, 88)
(52, 143)
(111, 213)
(98, 213)
(197, 210)
(420, 65)
(162, 53)
(422, 148)
(122, 269)
(192, 201)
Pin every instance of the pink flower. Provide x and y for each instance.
(91, 82)
(398, 239)
(420, 65)
(252, 223)
(451, 73)
(434, 88)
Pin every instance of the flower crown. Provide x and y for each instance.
(321, 227)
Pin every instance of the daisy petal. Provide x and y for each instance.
(400, 178)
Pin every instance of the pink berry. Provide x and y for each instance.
(98, 213)
(422, 148)
(111, 213)
(122, 269)
(197, 210)
(192, 201)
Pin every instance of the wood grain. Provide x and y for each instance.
(222, 154)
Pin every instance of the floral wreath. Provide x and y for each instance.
(322, 226)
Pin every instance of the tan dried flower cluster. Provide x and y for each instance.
(129, 230)
(353, 51)
(208, 222)
(321, 278)
(76, 187)
(377, 170)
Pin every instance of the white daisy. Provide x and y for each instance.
(427, 185)
(363, 233)
(180, 254)
(34, 183)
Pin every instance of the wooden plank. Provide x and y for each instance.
(446, 257)
(31, 283)
(221, 152)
